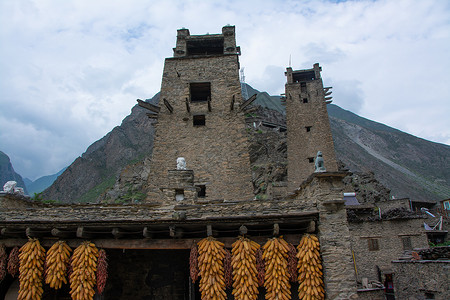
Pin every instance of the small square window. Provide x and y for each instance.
(202, 192)
(406, 241)
(200, 91)
(305, 100)
(308, 128)
(199, 120)
(311, 159)
(373, 244)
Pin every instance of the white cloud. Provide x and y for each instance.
(71, 70)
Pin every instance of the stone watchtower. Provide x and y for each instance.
(308, 124)
(199, 118)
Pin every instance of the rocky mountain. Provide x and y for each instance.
(7, 172)
(115, 167)
(96, 170)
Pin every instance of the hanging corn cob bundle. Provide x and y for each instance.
(260, 267)
(57, 259)
(13, 262)
(245, 274)
(210, 263)
(292, 264)
(228, 269)
(102, 271)
(193, 263)
(84, 266)
(309, 267)
(276, 262)
(31, 270)
(3, 259)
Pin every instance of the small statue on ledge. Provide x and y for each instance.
(181, 163)
(319, 163)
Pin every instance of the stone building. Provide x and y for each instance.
(200, 117)
(308, 124)
(201, 120)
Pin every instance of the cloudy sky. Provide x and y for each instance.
(72, 70)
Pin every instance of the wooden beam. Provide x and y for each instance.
(168, 106)
(188, 108)
(209, 104)
(61, 234)
(83, 234)
(276, 229)
(149, 106)
(117, 233)
(35, 233)
(144, 244)
(232, 103)
(247, 102)
(146, 233)
(8, 232)
(243, 230)
(209, 230)
(311, 227)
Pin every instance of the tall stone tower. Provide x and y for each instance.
(199, 118)
(308, 124)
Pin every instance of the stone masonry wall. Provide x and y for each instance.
(303, 144)
(390, 235)
(334, 238)
(218, 152)
(419, 280)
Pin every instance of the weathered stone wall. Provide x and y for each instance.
(303, 143)
(390, 235)
(217, 152)
(393, 203)
(417, 280)
(334, 237)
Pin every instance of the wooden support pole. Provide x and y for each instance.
(168, 106)
(311, 227)
(247, 102)
(146, 233)
(209, 231)
(209, 104)
(188, 108)
(117, 233)
(276, 229)
(243, 230)
(83, 234)
(172, 231)
(149, 106)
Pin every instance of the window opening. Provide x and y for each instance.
(304, 76)
(305, 100)
(311, 159)
(179, 195)
(373, 244)
(308, 128)
(406, 241)
(303, 87)
(199, 120)
(200, 91)
(205, 46)
(202, 192)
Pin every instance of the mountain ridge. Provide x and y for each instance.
(408, 165)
